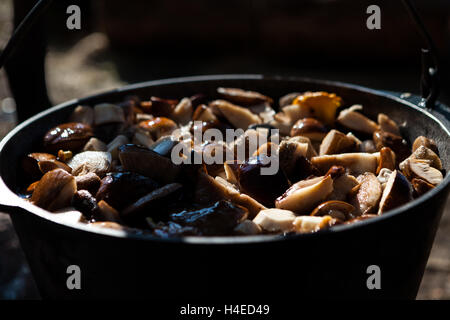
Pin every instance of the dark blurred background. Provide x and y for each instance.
(137, 40)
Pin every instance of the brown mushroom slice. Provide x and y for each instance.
(356, 121)
(422, 169)
(397, 192)
(322, 104)
(275, 220)
(49, 165)
(301, 197)
(369, 194)
(148, 163)
(336, 142)
(267, 149)
(308, 224)
(295, 112)
(83, 114)
(243, 97)
(90, 182)
(106, 113)
(84, 202)
(238, 116)
(182, 113)
(387, 124)
(204, 113)
(68, 136)
(95, 144)
(426, 142)
(142, 138)
(158, 127)
(396, 143)
(336, 209)
(282, 123)
(356, 163)
(247, 228)
(342, 186)
(264, 188)
(310, 128)
(420, 186)
(55, 190)
(154, 201)
(231, 168)
(294, 161)
(387, 159)
(361, 218)
(97, 162)
(424, 153)
(219, 219)
(159, 107)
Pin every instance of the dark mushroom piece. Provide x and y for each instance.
(387, 124)
(420, 187)
(387, 159)
(172, 230)
(68, 136)
(148, 163)
(264, 188)
(337, 209)
(158, 127)
(121, 189)
(397, 192)
(154, 204)
(392, 141)
(30, 164)
(84, 202)
(336, 142)
(310, 128)
(90, 182)
(426, 142)
(55, 190)
(83, 114)
(159, 107)
(219, 219)
(246, 98)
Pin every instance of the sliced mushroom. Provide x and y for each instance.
(368, 195)
(392, 141)
(238, 116)
(387, 159)
(275, 220)
(421, 169)
(294, 161)
(55, 190)
(310, 128)
(336, 142)
(158, 127)
(397, 192)
(106, 113)
(83, 114)
(106, 212)
(342, 186)
(383, 177)
(113, 146)
(426, 142)
(308, 224)
(49, 165)
(356, 121)
(219, 219)
(90, 161)
(336, 209)
(264, 188)
(264, 111)
(282, 123)
(204, 113)
(303, 196)
(356, 163)
(142, 138)
(148, 163)
(231, 168)
(90, 182)
(84, 202)
(68, 136)
(182, 113)
(294, 112)
(164, 146)
(247, 228)
(267, 149)
(95, 144)
(246, 98)
(387, 124)
(154, 203)
(159, 107)
(420, 187)
(424, 153)
(120, 189)
(367, 146)
(322, 104)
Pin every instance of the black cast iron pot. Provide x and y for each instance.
(329, 264)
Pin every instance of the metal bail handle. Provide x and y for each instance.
(429, 83)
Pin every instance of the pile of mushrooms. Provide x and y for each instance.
(111, 164)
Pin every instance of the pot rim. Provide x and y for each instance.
(15, 201)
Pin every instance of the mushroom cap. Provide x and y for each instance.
(68, 136)
(397, 192)
(334, 208)
(309, 127)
